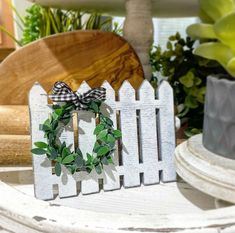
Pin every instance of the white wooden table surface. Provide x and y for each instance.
(171, 207)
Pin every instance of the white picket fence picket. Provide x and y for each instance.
(146, 120)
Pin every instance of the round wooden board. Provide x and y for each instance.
(93, 56)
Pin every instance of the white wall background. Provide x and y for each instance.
(165, 27)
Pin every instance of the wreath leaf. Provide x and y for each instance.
(61, 154)
(38, 151)
(41, 145)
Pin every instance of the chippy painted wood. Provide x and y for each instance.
(39, 112)
(208, 172)
(139, 152)
(22, 213)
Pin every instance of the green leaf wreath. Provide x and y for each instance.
(74, 161)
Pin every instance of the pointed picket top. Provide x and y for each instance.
(108, 87)
(165, 87)
(37, 88)
(126, 91)
(37, 95)
(84, 87)
(146, 91)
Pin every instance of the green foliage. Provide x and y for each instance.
(103, 148)
(187, 74)
(42, 21)
(217, 28)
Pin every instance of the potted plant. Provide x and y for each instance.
(217, 35)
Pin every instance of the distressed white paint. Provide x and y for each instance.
(111, 177)
(86, 140)
(22, 213)
(166, 131)
(139, 150)
(128, 121)
(208, 172)
(39, 112)
(148, 134)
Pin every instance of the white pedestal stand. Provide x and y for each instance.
(206, 171)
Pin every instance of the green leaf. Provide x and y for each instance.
(231, 67)
(103, 150)
(117, 133)
(54, 116)
(188, 79)
(225, 30)
(169, 45)
(98, 169)
(54, 153)
(216, 9)
(94, 107)
(54, 124)
(110, 138)
(79, 152)
(38, 151)
(110, 160)
(215, 51)
(98, 129)
(46, 128)
(97, 146)
(72, 169)
(197, 81)
(40, 145)
(109, 121)
(58, 111)
(200, 30)
(68, 159)
(89, 158)
(191, 102)
(59, 159)
(105, 161)
(79, 161)
(66, 151)
(56, 106)
(102, 134)
(62, 146)
(57, 169)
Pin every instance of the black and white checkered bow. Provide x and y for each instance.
(61, 92)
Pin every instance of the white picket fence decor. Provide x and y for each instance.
(144, 155)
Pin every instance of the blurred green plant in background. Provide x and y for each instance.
(187, 74)
(42, 21)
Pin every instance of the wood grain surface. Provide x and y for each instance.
(4, 52)
(93, 56)
(15, 150)
(14, 120)
(6, 20)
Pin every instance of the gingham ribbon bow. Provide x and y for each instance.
(61, 92)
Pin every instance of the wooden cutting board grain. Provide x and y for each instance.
(93, 56)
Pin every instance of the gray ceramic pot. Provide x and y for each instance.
(219, 117)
